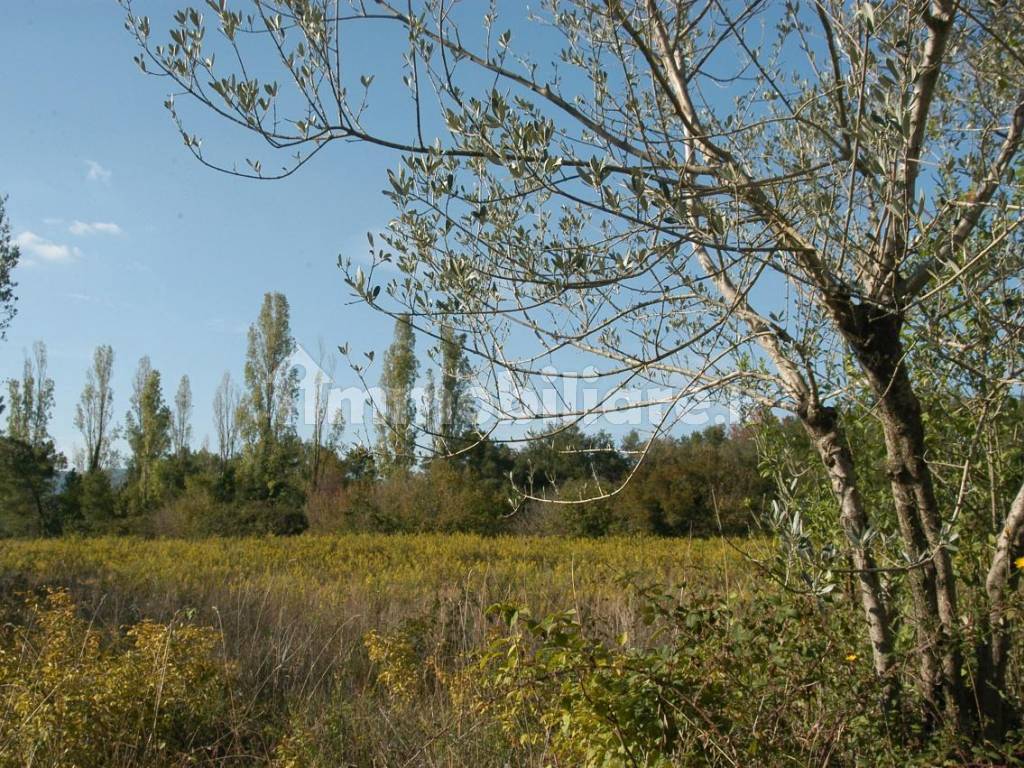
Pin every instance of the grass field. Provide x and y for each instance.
(314, 625)
(432, 650)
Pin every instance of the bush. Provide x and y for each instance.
(704, 484)
(445, 497)
(769, 681)
(251, 518)
(197, 512)
(69, 699)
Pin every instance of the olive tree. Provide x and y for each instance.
(764, 201)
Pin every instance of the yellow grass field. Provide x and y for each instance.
(326, 578)
(307, 622)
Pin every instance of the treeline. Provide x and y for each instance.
(262, 477)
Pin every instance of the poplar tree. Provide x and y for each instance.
(148, 430)
(267, 410)
(94, 413)
(225, 407)
(327, 427)
(396, 422)
(29, 461)
(31, 400)
(181, 431)
(456, 410)
(266, 413)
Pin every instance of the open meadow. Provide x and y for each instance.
(436, 650)
(341, 647)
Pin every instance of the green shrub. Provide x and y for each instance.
(766, 681)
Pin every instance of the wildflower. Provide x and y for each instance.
(1019, 562)
(851, 657)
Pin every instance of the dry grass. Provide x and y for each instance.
(294, 614)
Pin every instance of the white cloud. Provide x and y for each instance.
(81, 228)
(34, 245)
(97, 172)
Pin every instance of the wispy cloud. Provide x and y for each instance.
(81, 228)
(97, 172)
(46, 250)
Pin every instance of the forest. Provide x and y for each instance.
(263, 478)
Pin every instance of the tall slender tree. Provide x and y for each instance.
(396, 422)
(139, 381)
(29, 461)
(148, 431)
(456, 410)
(32, 400)
(181, 431)
(327, 426)
(271, 382)
(430, 408)
(94, 413)
(266, 415)
(225, 407)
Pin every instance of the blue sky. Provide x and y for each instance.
(182, 255)
(127, 240)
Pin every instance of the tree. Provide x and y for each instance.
(273, 459)
(702, 484)
(9, 257)
(148, 430)
(94, 412)
(225, 406)
(429, 407)
(396, 422)
(782, 221)
(327, 427)
(457, 409)
(267, 410)
(31, 400)
(29, 461)
(549, 460)
(139, 381)
(181, 432)
(28, 483)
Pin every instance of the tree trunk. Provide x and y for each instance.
(874, 335)
(823, 428)
(994, 652)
